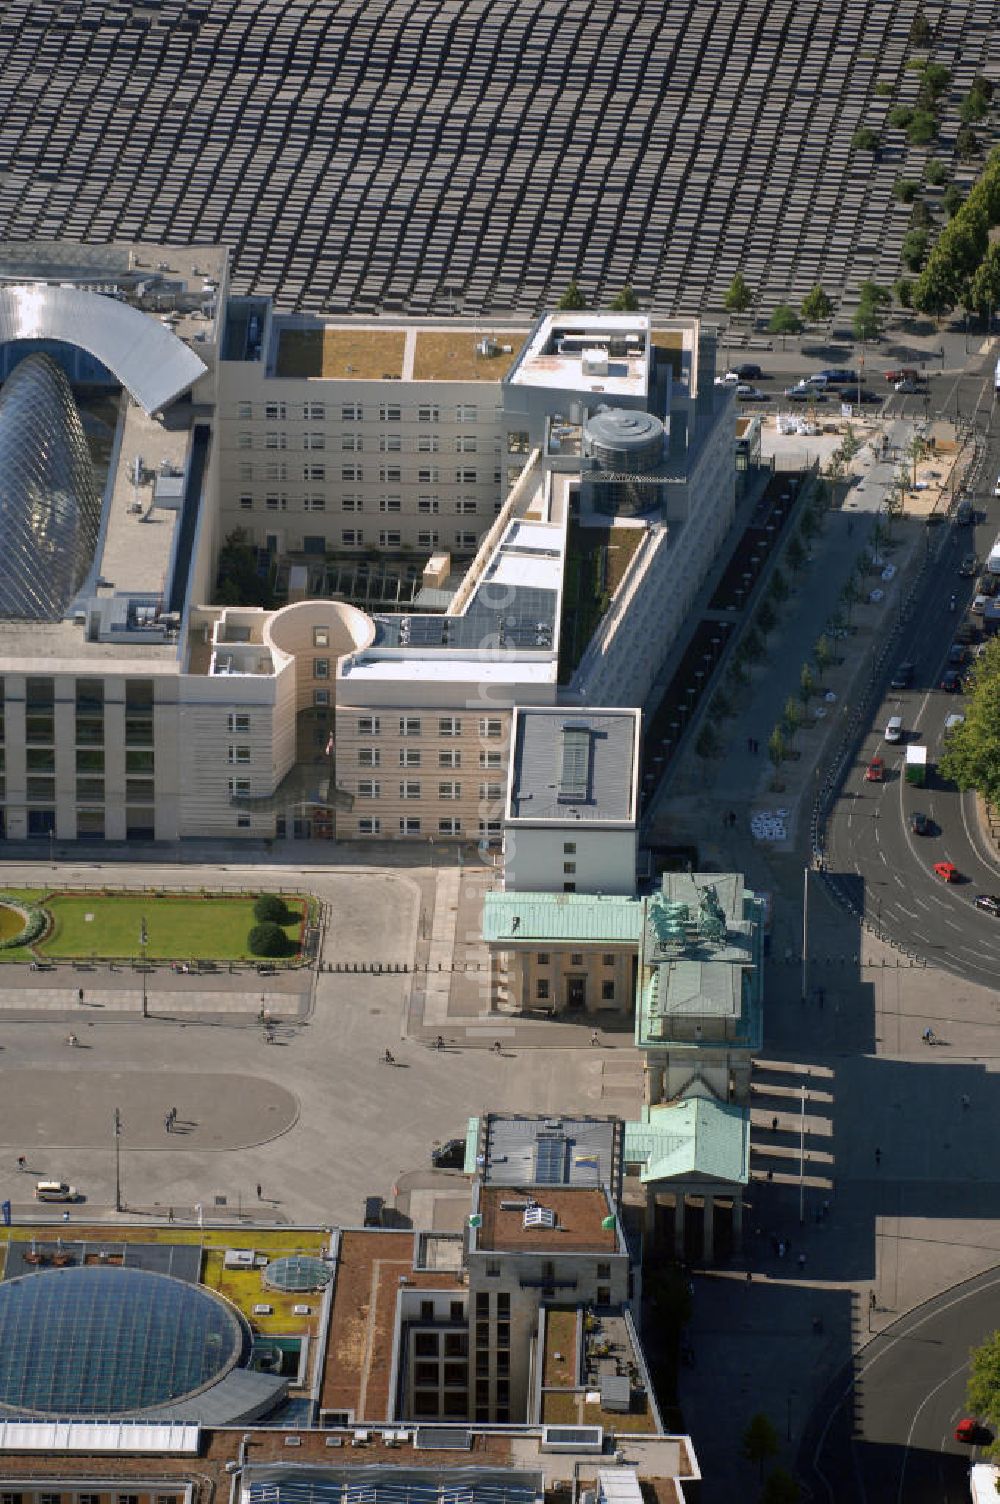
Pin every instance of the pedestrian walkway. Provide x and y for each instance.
(442, 946)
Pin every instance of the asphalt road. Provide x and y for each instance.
(885, 1429)
(869, 835)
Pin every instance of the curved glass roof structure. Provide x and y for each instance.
(299, 1271)
(50, 506)
(150, 362)
(100, 1340)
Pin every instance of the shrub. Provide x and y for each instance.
(967, 144)
(268, 939)
(922, 128)
(883, 89)
(270, 909)
(936, 173)
(865, 139)
(952, 199)
(905, 190)
(900, 116)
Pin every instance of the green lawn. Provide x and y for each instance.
(181, 927)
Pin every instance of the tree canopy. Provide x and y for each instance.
(760, 1439)
(738, 295)
(572, 299)
(816, 306)
(784, 320)
(972, 750)
(625, 301)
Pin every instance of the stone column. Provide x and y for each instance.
(679, 1224)
(708, 1232)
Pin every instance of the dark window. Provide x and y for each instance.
(457, 1403)
(426, 1373)
(482, 1333)
(607, 992)
(604, 1271)
(503, 1391)
(456, 1344)
(482, 1391)
(427, 1310)
(482, 1364)
(425, 1402)
(503, 1303)
(503, 1416)
(603, 1295)
(503, 1363)
(426, 1345)
(483, 1303)
(456, 1373)
(503, 1334)
(457, 1310)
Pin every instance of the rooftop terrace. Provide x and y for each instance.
(579, 1215)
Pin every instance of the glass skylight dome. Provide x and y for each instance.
(297, 1272)
(102, 1340)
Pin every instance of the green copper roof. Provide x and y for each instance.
(696, 1137)
(593, 917)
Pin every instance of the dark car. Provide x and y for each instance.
(956, 654)
(450, 1155)
(749, 372)
(989, 903)
(374, 1209)
(967, 633)
(919, 824)
(903, 677)
(967, 568)
(952, 682)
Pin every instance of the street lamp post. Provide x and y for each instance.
(143, 942)
(118, 1160)
(802, 1158)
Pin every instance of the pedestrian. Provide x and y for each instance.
(749, 743)
(749, 1278)
(166, 1121)
(732, 817)
(821, 995)
(595, 1038)
(774, 1125)
(801, 1261)
(781, 1249)
(258, 1193)
(826, 1209)
(966, 1101)
(928, 1036)
(756, 747)
(80, 994)
(878, 1156)
(872, 1304)
(498, 1047)
(65, 1216)
(22, 1163)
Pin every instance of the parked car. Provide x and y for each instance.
(55, 1190)
(747, 393)
(818, 378)
(840, 376)
(978, 606)
(731, 378)
(903, 373)
(989, 903)
(968, 633)
(919, 824)
(903, 677)
(956, 654)
(907, 385)
(450, 1155)
(748, 371)
(952, 682)
(947, 872)
(967, 568)
(803, 393)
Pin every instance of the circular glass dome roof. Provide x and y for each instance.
(299, 1271)
(99, 1340)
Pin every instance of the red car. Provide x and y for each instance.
(875, 771)
(970, 1430)
(903, 373)
(947, 872)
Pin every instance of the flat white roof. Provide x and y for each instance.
(530, 570)
(452, 668)
(554, 357)
(522, 534)
(102, 1437)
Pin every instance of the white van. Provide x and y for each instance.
(894, 729)
(54, 1190)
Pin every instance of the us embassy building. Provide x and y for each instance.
(405, 497)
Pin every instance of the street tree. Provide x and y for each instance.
(777, 590)
(795, 554)
(865, 139)
(972, 754)
(753, 645)
(932, 291)
(766, 618)
(776, 750)
(784, 320)
(903, 288)
(572, 299)
(816, 306)
(984, 288)
(975, 106)
(780, 1488)
(738, 295)
(935, 80)
(900, 116)
(935, 173)
(823, 654)
(982, 1390)
(760, 1440)
(791, 716)
(865, 323)
(807, 684)
(915, 451)
(809, 526)
(625, 301)
(849, 595)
